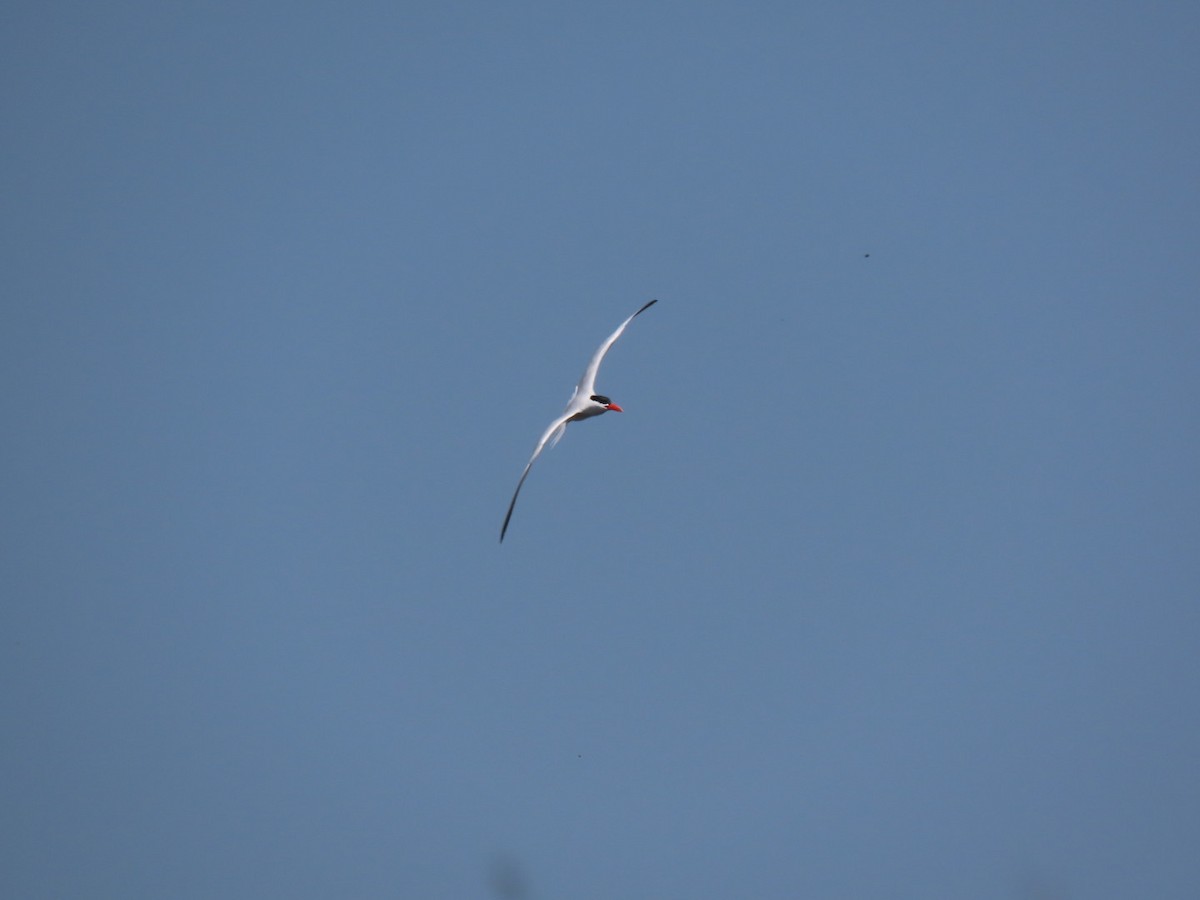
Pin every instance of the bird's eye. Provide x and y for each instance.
(600, 398)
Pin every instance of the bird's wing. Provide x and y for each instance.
(553, 433)
(587, 384)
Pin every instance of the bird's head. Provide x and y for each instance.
(607, 404)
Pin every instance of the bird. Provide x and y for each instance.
(585, 403)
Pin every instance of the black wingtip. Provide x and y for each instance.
(646, 307)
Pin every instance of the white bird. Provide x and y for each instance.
(584, 404)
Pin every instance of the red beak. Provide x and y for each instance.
(614, 408)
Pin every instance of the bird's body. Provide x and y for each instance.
(585, 403)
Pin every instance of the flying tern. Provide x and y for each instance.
(584, 404)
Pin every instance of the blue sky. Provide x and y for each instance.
(884, 585)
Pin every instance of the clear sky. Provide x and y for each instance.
(885, 585)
